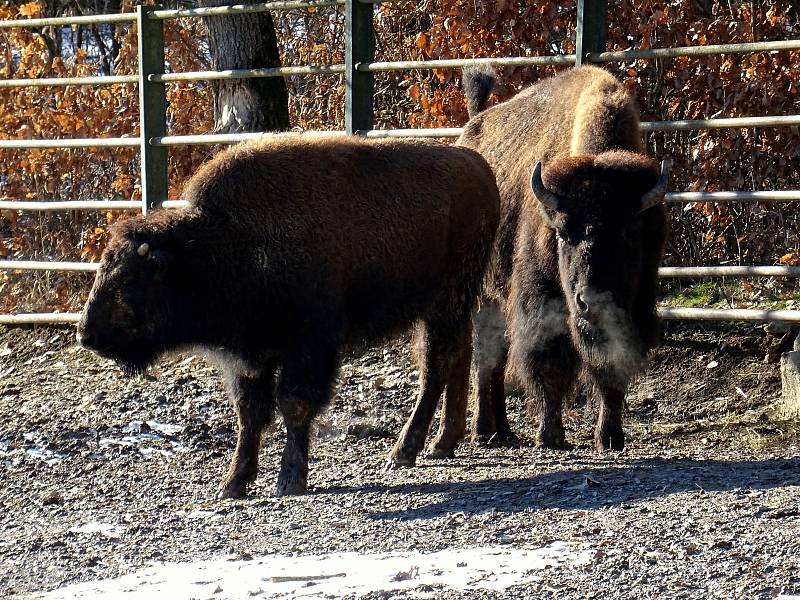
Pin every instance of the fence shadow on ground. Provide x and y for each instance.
(587, 488)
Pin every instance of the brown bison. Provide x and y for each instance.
(293, 250)
(573, 276)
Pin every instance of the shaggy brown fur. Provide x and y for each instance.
(293, 249)
(577, 285)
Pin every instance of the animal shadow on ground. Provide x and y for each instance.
(588, 488)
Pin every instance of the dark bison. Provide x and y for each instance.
(573, 277)
(293, 250)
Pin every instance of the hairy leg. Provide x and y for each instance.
(436, 342)
(254, 400)
(608, 434)
(490, 354)
(452, 422)
(307, 375)
(547, 373)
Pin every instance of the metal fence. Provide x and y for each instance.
(358, 70)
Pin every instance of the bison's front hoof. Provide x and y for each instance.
(609, 437)
(552, 438)
(291, 486)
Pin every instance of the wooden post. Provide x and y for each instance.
(591, 32)
(359, 48)
(152, 108)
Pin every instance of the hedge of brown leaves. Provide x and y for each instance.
(683, 88)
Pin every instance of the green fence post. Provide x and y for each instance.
(591, 33)
(359, 48)
(152, 108)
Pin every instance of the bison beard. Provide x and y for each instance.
(276, 273)
(573, 275)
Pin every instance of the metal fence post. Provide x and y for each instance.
(359, 48)
(152, 108)
(590, 35)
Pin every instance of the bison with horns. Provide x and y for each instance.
(573, 277)
(293, 250)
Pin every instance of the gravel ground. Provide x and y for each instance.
(103, 475)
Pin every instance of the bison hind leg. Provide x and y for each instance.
(489, 420)
(254, 400)
(453, 417)
(440, 344)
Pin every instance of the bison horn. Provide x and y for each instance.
(143, 249)
(656, 195)
(545, 196)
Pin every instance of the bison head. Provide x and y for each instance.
(598, 208)
(126, 317)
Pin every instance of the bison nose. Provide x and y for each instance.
(580, 302)
(87, 339)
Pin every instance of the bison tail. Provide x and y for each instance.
(477, 83)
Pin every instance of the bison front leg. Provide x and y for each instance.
(609, 434)
(547, 375)
(304, 389)
(254, 400)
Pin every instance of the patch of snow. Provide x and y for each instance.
(333, 575)
(105, 529)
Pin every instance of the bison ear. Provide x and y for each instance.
(656, 195)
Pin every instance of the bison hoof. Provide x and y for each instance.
(399, 459)
(232, 491)
(290, 486)
(609, 438)
(440, 452)
(552, 439)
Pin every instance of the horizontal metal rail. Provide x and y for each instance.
(70, 205)
(82, 20)
(43, 265)
(240, 9)
(625, 55)
(174, 204)
(771, 196)
(434, 132)
(102, 205)
(131, 142)
(34, 318)
(452, 63)
(248, 73)
(64, 81)
(685, 314)
(728, 314)
(226, 138)
(723, 123)
(732, 271)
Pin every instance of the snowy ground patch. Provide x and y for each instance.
(331, 575)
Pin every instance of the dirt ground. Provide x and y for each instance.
(103, 475)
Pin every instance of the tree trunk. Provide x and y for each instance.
(245, 42)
